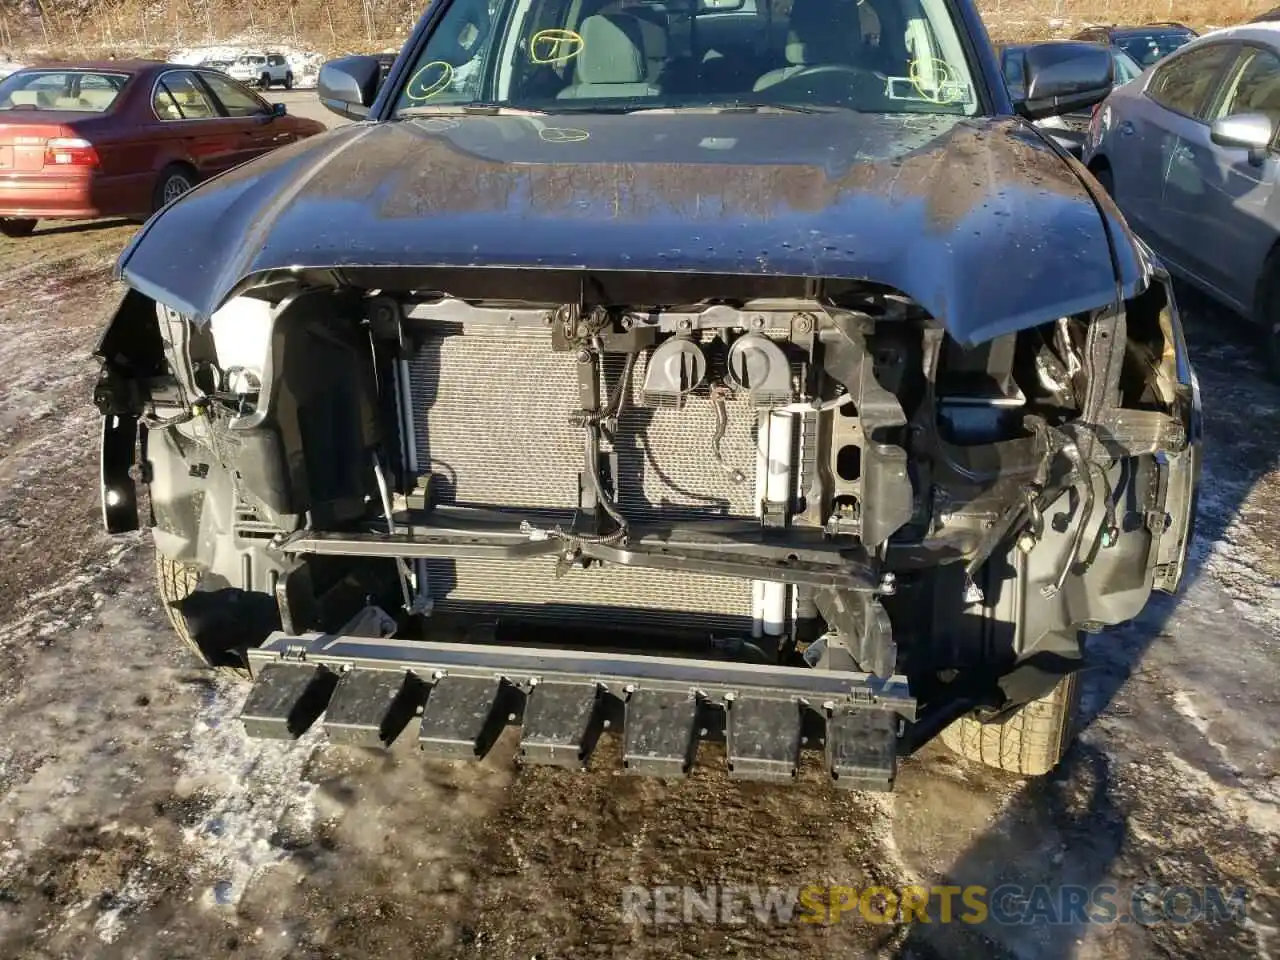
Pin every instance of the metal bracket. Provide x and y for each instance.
(887, 496)
(386, 322)
(864, 624)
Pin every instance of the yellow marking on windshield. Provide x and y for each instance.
(936, 80)
(555, 46)
(422, 86)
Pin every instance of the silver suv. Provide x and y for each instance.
(262, 70)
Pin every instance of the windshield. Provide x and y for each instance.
(884, 56)
(1148, 46)
(71, 90)
(1126, 67)
(252, 60)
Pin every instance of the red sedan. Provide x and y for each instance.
(123, 138)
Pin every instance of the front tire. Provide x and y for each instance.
(17, 227)
(1273, 350)
(265, 81)
(288, 81)
(1267, 311)
(175, 582)
(1031, 742)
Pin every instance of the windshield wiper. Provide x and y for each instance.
(736, 107)
(467, 109)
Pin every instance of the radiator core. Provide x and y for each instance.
(492, 422)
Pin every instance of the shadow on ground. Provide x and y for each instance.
(58, 228)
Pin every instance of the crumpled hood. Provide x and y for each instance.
(979, 221)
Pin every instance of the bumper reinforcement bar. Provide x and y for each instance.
(370, 690)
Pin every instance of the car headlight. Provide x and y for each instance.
(241, 337)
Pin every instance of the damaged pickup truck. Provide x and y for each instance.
(709, 375)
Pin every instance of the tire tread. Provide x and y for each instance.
(175, 582)
(1031, 742)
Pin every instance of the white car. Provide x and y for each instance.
(262, 70)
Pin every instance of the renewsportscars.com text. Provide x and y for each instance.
(732, 904)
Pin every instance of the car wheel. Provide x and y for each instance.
(17, 226)
(175, 582)
(265, 81)
(174, 182)
(1029, 742)
(288, 81)
(1266, 311)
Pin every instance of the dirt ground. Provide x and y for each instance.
(136, 820)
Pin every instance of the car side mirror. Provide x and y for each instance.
(279, 110)
(1063, 76)
(348, 86)
(1244, 131)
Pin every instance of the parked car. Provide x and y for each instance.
(803, 401)
(122, 138)
(262, 70)
(1189, 154)
(1069, 129)
(1146, 44)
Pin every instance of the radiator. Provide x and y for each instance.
(492, 426)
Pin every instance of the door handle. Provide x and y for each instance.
(1127, 128)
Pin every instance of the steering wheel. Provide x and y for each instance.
(854, 78)
(822, 68)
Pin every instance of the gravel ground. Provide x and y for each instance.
(136, 820)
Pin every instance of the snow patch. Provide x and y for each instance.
(1187, 709)
(1259, 807)
(305, 64)
(135, 895)
(257, 786)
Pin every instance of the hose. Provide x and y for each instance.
(718, 393)
(593, 478)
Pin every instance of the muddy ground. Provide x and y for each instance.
(137, 821)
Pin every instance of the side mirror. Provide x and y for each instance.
(348, 86)
(1244, 131)
(279, 110)
(1064, 76)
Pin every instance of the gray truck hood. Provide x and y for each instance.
(980, 221)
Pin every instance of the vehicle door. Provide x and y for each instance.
(1150, 132)
(1224, 196)
(257, 129)
(194, 130)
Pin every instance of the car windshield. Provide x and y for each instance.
(253, 60)
(1148, 46)
(1127, 68)
(885, 56)
(81, 91)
